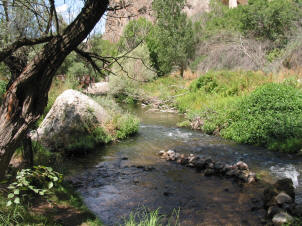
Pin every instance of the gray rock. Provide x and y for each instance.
(282, 198)
(200, 164)
(286, 185)
(243, 175)
(68, 119)
(281, 218)
(242, 165)
(298, 210)
(99, 88)
(209, 172)
(273, 210)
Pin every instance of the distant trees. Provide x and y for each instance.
(171, 41)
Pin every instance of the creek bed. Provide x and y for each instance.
(127, 176)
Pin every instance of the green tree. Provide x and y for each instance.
(171, 41)
(134, 33)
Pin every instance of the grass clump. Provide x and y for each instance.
(145, 217)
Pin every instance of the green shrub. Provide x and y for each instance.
(134, 33)
(39, 181)
(270, 116)
(206, 82)
(126, 125)
(272, 20)
(90, 140)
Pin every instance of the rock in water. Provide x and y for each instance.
(281, 218)
(286, 185)
(282, 198)
(99, 88)
(242, 165)
(68, 119)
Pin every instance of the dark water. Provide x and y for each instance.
(113, 187)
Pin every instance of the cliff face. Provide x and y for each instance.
(117, 20)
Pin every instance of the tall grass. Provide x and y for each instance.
(143, 217)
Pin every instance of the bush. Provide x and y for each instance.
(270, 116)
(272, 20)
(39, 181)
(206, 82)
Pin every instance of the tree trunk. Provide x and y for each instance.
(27, 96)
(28, 154)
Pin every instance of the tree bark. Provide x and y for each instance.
(27, 96)
(28, 154)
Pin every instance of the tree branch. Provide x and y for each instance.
(20, 43)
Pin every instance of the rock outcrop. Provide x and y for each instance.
(70, 117)
(117, 20)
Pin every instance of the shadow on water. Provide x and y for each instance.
(121, 177)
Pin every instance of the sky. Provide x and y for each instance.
(69, 9)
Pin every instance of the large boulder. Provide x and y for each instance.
(72, 116)
(99, 88)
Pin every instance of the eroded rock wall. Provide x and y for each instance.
(117, 20)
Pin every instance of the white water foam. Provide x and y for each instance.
(177, 133)
(288, 171)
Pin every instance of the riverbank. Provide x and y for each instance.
(63, 205)
(247, 107)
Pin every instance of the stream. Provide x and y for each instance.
(129, 176)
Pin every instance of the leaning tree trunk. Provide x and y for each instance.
(27, 96)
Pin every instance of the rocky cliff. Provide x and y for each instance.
(116, 20)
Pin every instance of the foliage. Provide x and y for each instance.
(95, 135)
(270, 116)
(126, 125)
(136, 69)
(63, 195)
(170, 42)
(206, 82)
(272, 20)
(134, 33)
(247, 107)
(39, 181)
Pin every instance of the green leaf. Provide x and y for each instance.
(11, 195)
(55, 179)
(50, 185)
(17, 200)
(16, 192)
(9, 203)
(41, 193)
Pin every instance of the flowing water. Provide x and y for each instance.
(123, 177)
